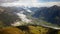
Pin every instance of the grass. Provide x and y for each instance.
(10, 30)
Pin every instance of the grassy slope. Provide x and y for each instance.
(31, 30)
(10, 30)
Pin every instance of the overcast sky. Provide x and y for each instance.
(35, 3)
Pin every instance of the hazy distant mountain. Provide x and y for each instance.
(12, 14)
(50, 14)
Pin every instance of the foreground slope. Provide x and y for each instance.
(29, 30)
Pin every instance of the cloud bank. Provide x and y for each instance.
(4, 1)
(30, 3)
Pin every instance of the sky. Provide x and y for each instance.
(30, 3)
(49, 0)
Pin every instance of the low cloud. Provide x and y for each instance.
(30, 3)
(5, 1)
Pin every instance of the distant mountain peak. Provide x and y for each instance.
(55, 6)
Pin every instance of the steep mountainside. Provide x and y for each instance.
(50, 14)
